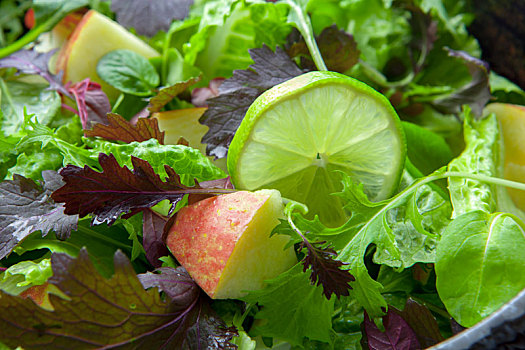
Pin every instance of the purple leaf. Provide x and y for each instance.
(92, 103)
(149, 17)
(326, 270)
(422, 322)
(119, 129)
(338, 48)
(118, 190)
(153, 230)
(33, 62)
(112, 313)
(476, 93)
(397, 335)
(27, 207)
(226, 111)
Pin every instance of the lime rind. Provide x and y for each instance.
(314, 125)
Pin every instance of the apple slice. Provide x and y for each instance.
(185, 123)
(512, 121)
(95, 36)
(225, 245)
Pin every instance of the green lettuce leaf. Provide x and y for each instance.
(228, 29)
(292, 309)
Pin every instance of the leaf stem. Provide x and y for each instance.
(304, 26)
(398, 199)
(101, 237)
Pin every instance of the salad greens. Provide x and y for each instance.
(90, 187)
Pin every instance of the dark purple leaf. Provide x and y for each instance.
(33, 62)
(397, 334)
(92, 103)
(149, 17)
(118, 190)
(153, 230)
(226, 111)
(119, 129)
(338, 48)
(326, 270)
(166, 94)
(205, 328)
(476, 94)
(116, 313)
(424, 34)
(420, 319)
(199, 96)
(27, 207)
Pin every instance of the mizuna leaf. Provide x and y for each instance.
(226, 111)
(92, 102)
(166, 94)
(119, 129)
(118, 190)
(397, 334)
(111, 313)
(27, 207)
(326, 270)
(149, 17)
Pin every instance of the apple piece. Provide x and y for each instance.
(185, 123)
(93, 37)
(512, 121)
(225, 245)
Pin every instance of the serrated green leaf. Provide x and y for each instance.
(292, 308)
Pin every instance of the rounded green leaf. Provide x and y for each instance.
(129, 72)
(480, 264)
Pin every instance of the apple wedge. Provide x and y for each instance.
(94, 36)
(225, 245)
(512, 121)
(185, 123)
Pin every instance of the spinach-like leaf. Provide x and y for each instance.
(19, 98)
(226, 111)
(129, 72)
(119, 129)
(149, 17)
(39, 212)
(118, 312)
(480, 264)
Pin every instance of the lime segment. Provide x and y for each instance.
(298, 136)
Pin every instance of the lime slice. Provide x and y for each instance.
(298, 136)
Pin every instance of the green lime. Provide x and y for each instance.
(298, 136)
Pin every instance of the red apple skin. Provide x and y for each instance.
(208, 262)
(205, 234)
